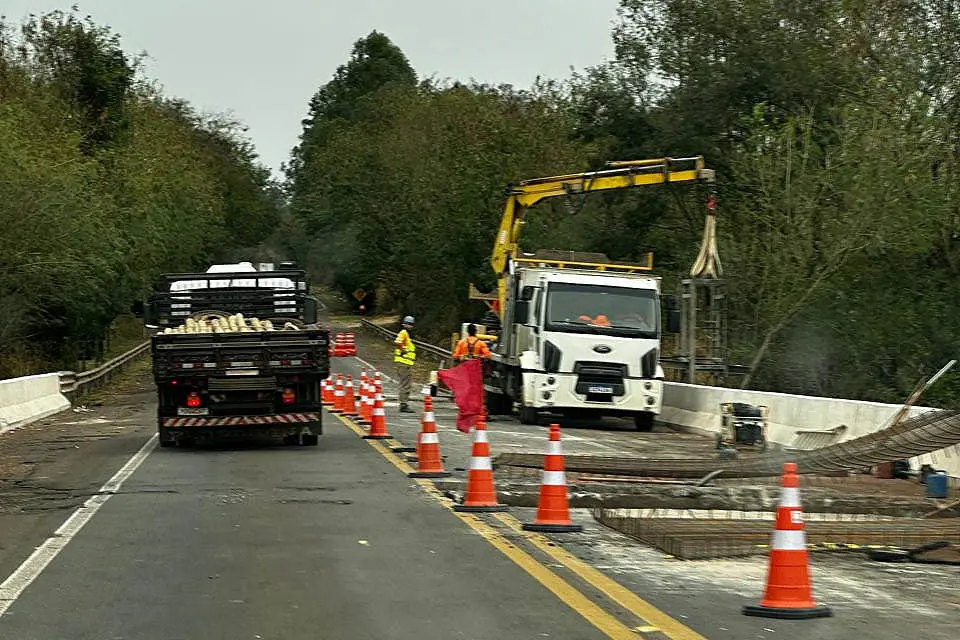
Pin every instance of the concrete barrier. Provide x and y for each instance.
(697, 408)
(28, 399)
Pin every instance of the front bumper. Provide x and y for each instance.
(558, 391)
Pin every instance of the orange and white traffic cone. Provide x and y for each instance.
(350, 400)
(326, 395)
(553, 510)
(429, 462)
(338, 395)
(364, 417)
(788, 594)
(481, 494)
(378, 425)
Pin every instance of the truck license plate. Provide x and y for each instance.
(606, 390)
(193, 411)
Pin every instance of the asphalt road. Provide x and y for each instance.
(278, 542)
(268, 542)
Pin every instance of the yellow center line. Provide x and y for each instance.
(606, 585)
(573, 598)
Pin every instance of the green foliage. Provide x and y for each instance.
(104, 185)
(404, 201)
(833, 127)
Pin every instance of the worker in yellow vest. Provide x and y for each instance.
(404, 356)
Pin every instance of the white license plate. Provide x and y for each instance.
(193, 411)
(243, 372)
(607, 390)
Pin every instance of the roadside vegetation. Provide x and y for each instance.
(832, 126)
(105, 183)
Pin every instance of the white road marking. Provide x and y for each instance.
(32, 567)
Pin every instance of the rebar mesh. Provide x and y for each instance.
(701, 538)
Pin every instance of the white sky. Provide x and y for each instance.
(261, 60)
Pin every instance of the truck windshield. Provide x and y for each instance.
(582, 308)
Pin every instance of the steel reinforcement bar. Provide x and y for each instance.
(925, 433)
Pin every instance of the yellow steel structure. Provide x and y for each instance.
(623, 174)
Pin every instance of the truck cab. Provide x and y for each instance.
(579, 338)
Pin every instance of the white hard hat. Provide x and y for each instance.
(408, 320)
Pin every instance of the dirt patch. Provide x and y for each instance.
(27, 452)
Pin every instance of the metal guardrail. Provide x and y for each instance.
(73, 384)
(432, 349)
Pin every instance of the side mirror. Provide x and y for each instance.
(674, 316)
(149, 314)
(310, 310)
(137, 309)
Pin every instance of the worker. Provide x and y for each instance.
(404, 356)
(601, 321)
(471, 346)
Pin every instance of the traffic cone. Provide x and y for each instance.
(427, 417)
(364, 417)
(326, 395)
(553, 510)
(788, 593)
(350, 400)
(429, 463)
(338, 396)
(378, 425)
(481, 494)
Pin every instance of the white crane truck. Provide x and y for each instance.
(578, 334)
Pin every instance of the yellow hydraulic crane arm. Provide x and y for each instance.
(617, 175)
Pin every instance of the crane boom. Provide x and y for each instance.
(624, 174)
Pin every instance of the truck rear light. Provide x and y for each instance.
(288, 396)
(193, 399)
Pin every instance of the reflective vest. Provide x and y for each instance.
(407, 354)
(471, 348)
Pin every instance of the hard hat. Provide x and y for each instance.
(408, 320)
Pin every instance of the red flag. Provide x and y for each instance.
(466, 382)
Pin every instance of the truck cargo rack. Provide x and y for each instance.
(260, 299)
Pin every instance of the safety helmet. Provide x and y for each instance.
(408, 320)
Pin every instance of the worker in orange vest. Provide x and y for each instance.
(471, 346)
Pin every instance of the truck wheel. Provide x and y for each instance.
(643, 421)
(498, 404)
(528, 415)
(309, 440)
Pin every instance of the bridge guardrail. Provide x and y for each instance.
(432, 349)
(75, 384)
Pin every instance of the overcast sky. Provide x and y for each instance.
(261, 60)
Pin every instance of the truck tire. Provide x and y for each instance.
(498, 404)
(165, 439)
(528, 415)
(643, 421)
(309, 440)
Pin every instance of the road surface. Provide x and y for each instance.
(270, 542)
